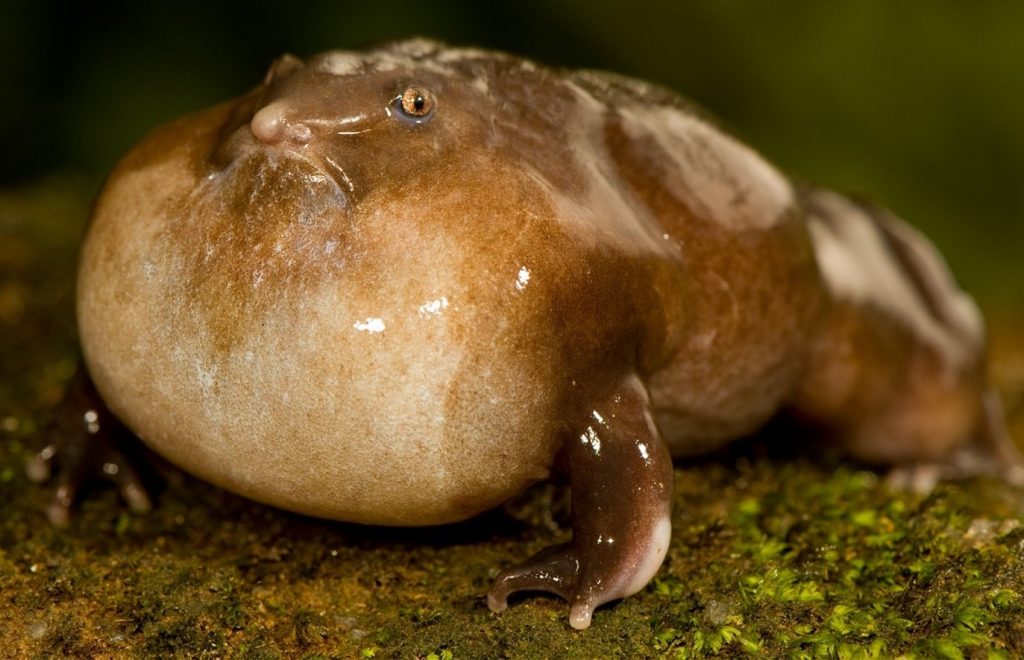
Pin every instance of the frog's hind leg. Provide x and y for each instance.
(993, 441)
(988, 451)
(86, 442)
(897, 373)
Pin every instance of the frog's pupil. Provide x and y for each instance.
(418, 102)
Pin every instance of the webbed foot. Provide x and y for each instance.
(621, 477)
(85, 441)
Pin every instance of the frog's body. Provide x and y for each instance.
(398, 287)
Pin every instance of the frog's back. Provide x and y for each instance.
(739, 288)
(800, 298)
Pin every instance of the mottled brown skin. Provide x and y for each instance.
(398, 287)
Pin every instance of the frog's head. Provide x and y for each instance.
(409, 116)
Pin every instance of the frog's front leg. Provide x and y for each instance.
(87, 442)
(620, 472)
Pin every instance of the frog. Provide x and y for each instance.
(399, 286)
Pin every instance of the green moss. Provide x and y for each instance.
(771, 556)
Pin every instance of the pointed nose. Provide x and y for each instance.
(270, 125)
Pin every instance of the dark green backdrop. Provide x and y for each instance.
(919, 103)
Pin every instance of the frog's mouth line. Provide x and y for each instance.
(341, 173)
(259, 183)
(262, 176)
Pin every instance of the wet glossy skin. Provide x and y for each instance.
(398, 287)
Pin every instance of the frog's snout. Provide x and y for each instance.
(272, 126)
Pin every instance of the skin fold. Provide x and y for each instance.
(398, 287)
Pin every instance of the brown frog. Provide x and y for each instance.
(398, 287)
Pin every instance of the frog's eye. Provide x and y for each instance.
(415, 104)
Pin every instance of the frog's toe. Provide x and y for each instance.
(968, 462)
(114, 466)
(556, 570)
(1014, 476)
(59, 510)
(918, 478)
(39, 467)
(86, 443)
(118, 469)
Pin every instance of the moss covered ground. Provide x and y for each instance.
(773, 553)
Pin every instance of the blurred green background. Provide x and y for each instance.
(918, 103)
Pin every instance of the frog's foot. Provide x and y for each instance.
(554, 570)
(587, 578)
(918, 478)
(621, 479)
(990, 454)
(86, 441)
(996, 444)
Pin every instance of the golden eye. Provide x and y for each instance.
(416, 103)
